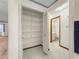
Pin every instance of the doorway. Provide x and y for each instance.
(55, 29)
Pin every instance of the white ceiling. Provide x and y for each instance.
(31, 5)
(35, 4)
(58, 4)
(4, 6)
(45, 3)
(3, 9)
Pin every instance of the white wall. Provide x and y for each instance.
(32, 27)
(64, 13)
(14, 28)
(74, 16)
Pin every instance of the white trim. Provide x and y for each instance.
(14, 29)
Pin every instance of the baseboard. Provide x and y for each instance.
(63, 47)
(32, 47)
(31, 43)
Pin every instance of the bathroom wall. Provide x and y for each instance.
(56, 27)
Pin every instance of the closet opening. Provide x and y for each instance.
(32, 32)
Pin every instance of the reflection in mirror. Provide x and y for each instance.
(43, 37)
(58, 36)
(3, 29)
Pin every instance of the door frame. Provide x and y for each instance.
(59, 17)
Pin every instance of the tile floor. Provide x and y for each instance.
(76, 56)
(56, 52)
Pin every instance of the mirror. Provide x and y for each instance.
(44, 36)
(57, 32)
(3, 29)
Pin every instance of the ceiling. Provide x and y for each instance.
(3, 9)
(45, 3)
(3, 6)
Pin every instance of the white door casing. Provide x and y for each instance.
(14, 30)
(45, 33)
